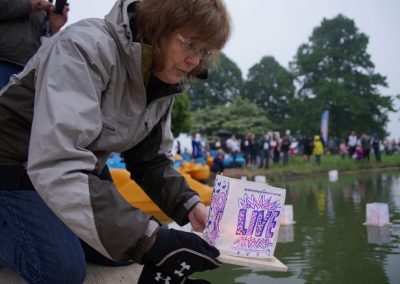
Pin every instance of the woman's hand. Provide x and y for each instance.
(198, 217)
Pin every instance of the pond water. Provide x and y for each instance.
(329, 243)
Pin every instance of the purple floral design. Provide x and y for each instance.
(217, 206)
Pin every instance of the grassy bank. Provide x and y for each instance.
(298, 168)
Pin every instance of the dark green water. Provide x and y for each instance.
(328, 243)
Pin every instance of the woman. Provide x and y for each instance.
(103, 86)
(318, 149)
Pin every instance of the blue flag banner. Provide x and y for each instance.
(325, 126)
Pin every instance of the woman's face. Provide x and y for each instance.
(180, 54)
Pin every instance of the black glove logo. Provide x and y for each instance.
(184, 267)
(158, 278)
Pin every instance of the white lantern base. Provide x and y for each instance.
(271, 264)
(377, 225)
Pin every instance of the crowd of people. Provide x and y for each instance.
(272, 148)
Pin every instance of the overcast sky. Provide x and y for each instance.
(277, 28)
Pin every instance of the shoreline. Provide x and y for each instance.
(279, 174)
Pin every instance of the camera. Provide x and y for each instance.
(60, 6)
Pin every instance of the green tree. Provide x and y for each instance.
(221, 86)
(239, 117)
(335, 72)
(271, 87)
(181, 116)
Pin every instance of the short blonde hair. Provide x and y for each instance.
(209, 19)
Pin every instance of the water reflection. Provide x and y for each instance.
(378, 235)
(328, 243)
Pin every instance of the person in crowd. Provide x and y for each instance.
(276, 148)
(285, 145)
(245, 147)
(307, 148)
(253, 150)
(218, 162)
(97, 87)
(215, 145)
(352, 143)
(331, 146)
(264, 150)
(233, 147)
(389, 146)
(365, 142)
(359, 153)
(178, 148)
(318, 149)
(343, 149)
(23, 26)
(197, 151)
(376, 146)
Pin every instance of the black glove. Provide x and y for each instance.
(175, 255)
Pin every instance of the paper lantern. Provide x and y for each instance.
(244, 217)
(185, 228)
(333, 175)
(287, 215)
(243, 178)
(377, 214)
(286, 234)
(261, 179)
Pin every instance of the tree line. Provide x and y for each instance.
(331, 71)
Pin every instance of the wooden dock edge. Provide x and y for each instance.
(95, 274)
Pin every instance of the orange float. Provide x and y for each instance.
(135, 195)
(197, 171)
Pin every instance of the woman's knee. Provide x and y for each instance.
(60, 268)
(69, 271)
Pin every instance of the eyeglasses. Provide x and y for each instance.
(193, 49)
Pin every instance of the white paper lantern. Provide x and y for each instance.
(333, 175)
(243, 217)
(184, 228)
(243, 178)
(286, 234)
(261, 179)
(377, 214)
(287, 215)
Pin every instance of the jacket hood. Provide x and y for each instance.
(118, 20)
(134, 53)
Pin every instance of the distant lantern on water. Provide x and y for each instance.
(261, 179)
(287, 215)
(333, 175)
(377, 214)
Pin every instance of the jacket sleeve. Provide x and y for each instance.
(151, 168)
(67, 119)
(14, 9)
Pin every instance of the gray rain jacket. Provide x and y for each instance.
(89, 99)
